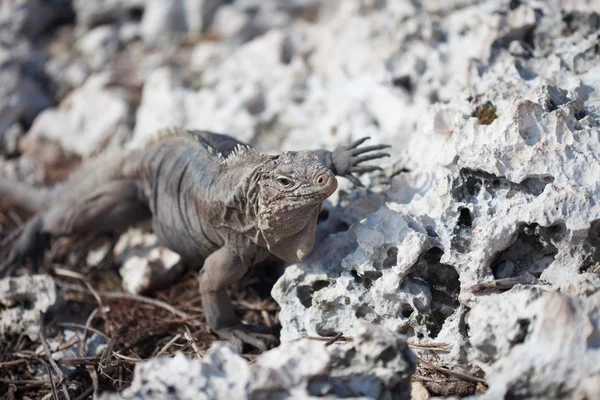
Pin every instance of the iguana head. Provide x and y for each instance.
(292, 188)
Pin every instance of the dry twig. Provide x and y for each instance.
(50, 359)
(447, 371)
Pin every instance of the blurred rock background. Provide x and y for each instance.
(492, 109)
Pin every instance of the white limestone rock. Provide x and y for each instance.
(143, 262)
(90, 115)
(377, 365)
(22, 299)
(549, 345)
(510, 196)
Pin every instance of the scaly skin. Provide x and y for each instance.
(220, 204)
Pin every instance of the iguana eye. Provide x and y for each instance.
(284, 181)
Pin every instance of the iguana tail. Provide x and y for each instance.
(26, 196)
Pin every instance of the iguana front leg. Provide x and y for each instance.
(221, 269)
(345, 160)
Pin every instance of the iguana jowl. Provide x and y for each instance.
(219, 203)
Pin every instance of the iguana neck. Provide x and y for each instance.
(240, 189)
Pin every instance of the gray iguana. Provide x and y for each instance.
(219, 203)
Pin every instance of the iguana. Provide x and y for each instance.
(219, 203)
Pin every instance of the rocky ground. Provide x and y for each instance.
(469, 266)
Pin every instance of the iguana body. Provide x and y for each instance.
(217, 202)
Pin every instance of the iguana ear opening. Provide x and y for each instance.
(296, 247)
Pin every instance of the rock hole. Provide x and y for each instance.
(444, 283)
(392, 258)
(362, 311)
(305, 293)
(403, 82)
(522, 331)
(367, 278)
(514, 4)
(407, 310)
(580, 114)
(372, 275)
(536, 186)
(461, 235)
(465, 219)
(531, 252)
(592, 249)
(136, 13)
(470, 182)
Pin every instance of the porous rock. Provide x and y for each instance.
(22, 299)
(502, 184)
(377, 365)
(546, 348)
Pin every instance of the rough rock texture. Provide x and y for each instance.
(492, 109)
(377, 365)
(502, 184)
(21, 300)
(547, 347)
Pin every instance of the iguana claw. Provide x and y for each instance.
(346, 159)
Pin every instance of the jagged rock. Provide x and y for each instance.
(547, 344)
(89, 116)
(22, 300)
(502, 185)
(356, 275)
(377, 365)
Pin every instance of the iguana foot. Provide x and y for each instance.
(28, 242)
(239, 334)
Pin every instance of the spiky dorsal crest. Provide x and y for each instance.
(166, 133)
(244, 155)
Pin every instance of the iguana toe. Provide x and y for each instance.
(239, 334)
